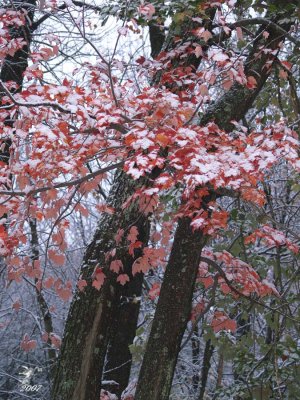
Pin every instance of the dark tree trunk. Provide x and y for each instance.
(208, 352)
(13, 67)
(195, 341)
(172, 313)
(123, 330)
(92, 312)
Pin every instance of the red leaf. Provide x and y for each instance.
(17, 305)
(55, 340)
(251, 82)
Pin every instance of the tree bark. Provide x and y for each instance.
(172, 314)
(78, 375)
(121, 335)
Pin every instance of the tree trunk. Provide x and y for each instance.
(78, 375)
(13, 66)
(208, 352)
(122, 333)
(172, 314)
(195, 341)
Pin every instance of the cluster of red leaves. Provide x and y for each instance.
(8, 19)
(272, 237)
(237, 278)
(222, 322)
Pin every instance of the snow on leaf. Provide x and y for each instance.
(219, 56)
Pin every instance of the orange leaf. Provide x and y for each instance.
(162, 139)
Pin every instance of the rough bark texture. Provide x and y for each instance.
(169, 323)
(172, 314)
(122, 333)
(91, 314)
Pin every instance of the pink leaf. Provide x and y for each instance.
(116, 265)
(147, 10)
(55, 340)
(133, 234)
(119, 235)
(122, 279)
(154, 291)
(99, 277)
